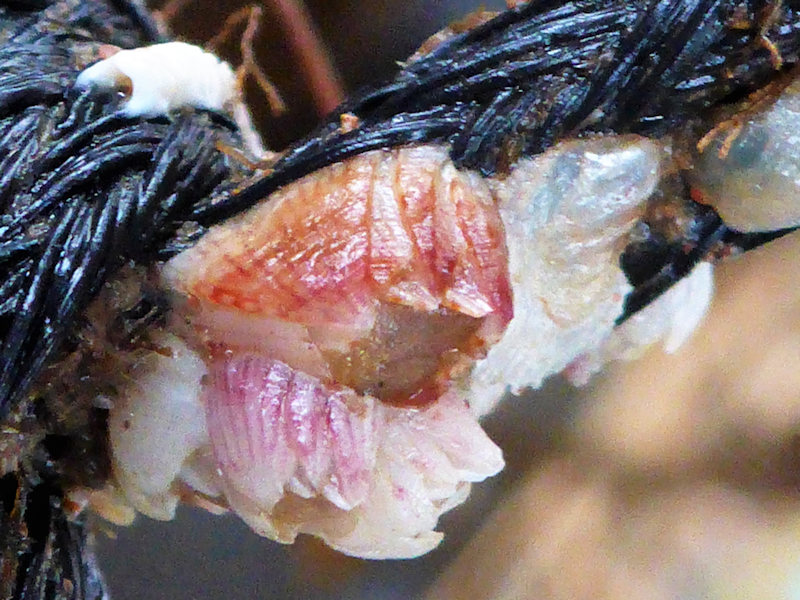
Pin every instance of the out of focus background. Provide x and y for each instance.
(669, 477)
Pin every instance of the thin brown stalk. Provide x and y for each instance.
(170, 10)
(252, 15)
(316, 65)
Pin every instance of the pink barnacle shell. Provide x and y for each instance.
(274, 429)
(403, 227)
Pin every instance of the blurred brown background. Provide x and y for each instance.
(671, 477)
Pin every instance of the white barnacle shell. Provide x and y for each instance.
(669, 320)
(157, 427)
(567, 214)
(754, 183)
(165, 77)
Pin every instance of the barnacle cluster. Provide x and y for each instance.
(292, 320)
(311, 346)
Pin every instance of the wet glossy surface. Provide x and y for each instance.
(750, 172)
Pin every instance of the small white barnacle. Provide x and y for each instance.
(750, 171)
(165, 77)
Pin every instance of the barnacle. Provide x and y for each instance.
(314, 333)
(749, 183)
